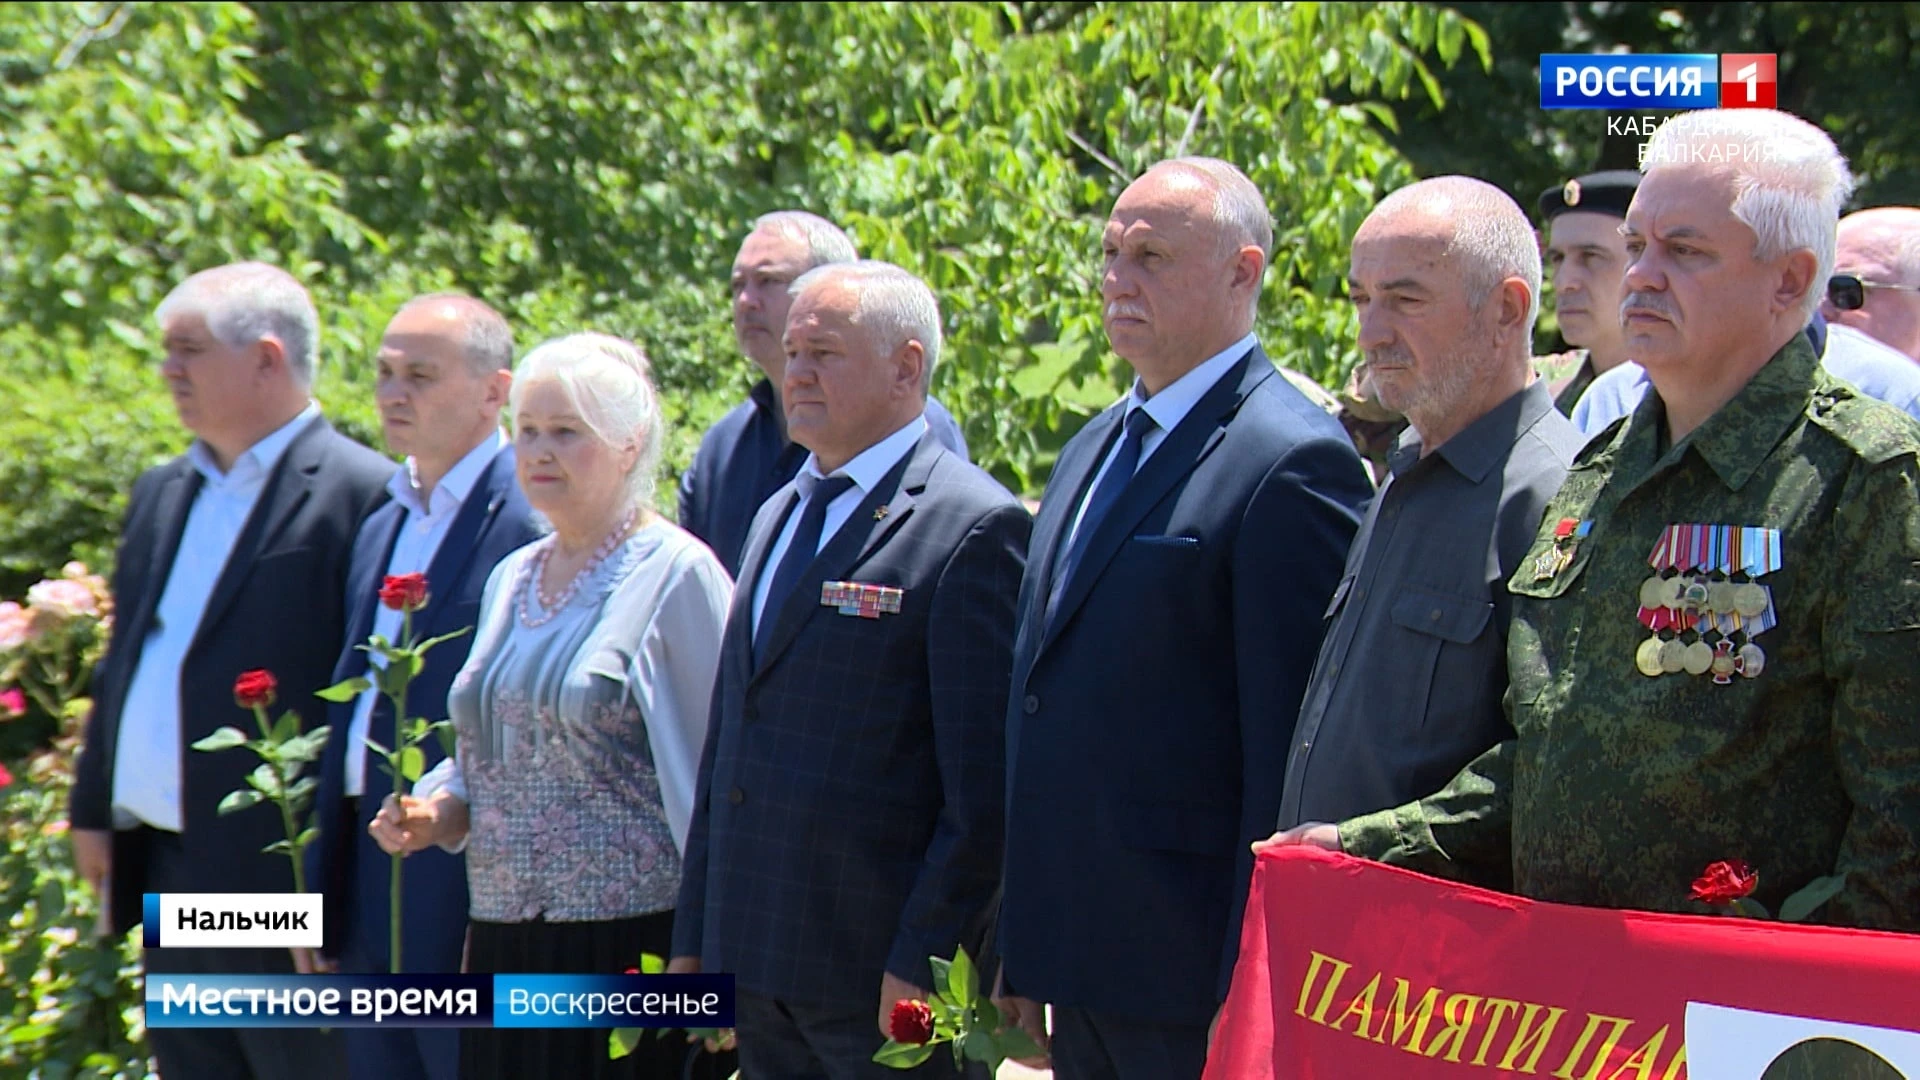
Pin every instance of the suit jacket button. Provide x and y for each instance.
(736, 796)
(1032, 704)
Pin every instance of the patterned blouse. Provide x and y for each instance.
(579, 738)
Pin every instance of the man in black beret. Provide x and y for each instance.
(1586, 259)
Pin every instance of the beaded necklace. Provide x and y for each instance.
(538, 570)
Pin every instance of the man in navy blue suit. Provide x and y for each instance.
(445, 364)
(848, 824)
(746, 456)
(1183, 558)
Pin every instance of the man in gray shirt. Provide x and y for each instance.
(1445, 279)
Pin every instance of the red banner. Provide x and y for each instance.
(1351, 970)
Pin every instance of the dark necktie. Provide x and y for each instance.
(1114, 481)
(801, 550)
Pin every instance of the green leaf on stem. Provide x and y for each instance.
(286, 728)
(302, 789)
(1797, 907)
(1750, 908)
(411, 662)
(901, 1055)
(242, 799)
(1014, 1042)
(265, 779)
(373, 744)
(225, 738)
(941, 969)
(345, 690)
(988, 1014)
(412, 763)
(432, 641)
(308, 837)
(621, 1041)
(962, 982)
(652, 964)
(444, 731)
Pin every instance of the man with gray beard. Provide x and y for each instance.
(1445, 280)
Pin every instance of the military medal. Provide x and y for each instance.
(1699, 658)
(1750, 600)
(1647, 657)
(1724, 662)
(1567, 534)
(1752, 660)
(1673, 656)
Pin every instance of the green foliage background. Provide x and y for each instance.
(595, 166)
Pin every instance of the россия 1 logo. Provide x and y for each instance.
(1626, 81)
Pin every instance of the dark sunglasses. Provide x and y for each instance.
(1848, 293)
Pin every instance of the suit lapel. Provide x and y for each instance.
(171, 505)
(865, 530)
(477, 514)
(287, 489)
(1183, 448)
(1071, 475)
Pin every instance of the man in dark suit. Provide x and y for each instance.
(445, 364)
(1183, 557)
(233, 557)
(746, 456)
(848, 820)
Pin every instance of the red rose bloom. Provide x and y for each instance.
(12, 703)
(911, 1022)
(5, 776)
(1724, 882)
(254, 688)
(404, 592)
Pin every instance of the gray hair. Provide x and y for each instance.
(1491, 235)
(1789, 180)
(485, 338)
(608, 381)
(826, 242)
(246, 302)
(1239, 210)
(891, 304)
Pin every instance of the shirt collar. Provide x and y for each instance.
(257, 460)
(1175, 400)
(1736, 440)
(871, 465)
(1483, 444)
(456, 485)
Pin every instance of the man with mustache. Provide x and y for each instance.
(1186, 547)
(746, 456)
(1445, 280)
(1716, 634)
(1587, 255)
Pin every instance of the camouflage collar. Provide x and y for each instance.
(1736, 440)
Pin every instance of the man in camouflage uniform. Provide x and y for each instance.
(1715, 650)
(1586, 256)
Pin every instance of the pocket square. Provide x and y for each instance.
(856, 598)
(1168, 541)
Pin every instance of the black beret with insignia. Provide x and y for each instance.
(1598, 193)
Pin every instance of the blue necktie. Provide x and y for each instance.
(1114, 481)
(800, 550)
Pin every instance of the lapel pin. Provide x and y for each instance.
(880, 513)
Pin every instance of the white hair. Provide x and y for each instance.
(1239, 210)
(608, 381)
(247, 302)
(826, 242)
(1789, 180)
(891, 305)
(485, 338)
(1491, 235)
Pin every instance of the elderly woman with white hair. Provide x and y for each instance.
(581, 712)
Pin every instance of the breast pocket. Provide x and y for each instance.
(1430, 620)
(1537, 579)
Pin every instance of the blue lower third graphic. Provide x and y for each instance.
(528, 1001)
(1626, 81)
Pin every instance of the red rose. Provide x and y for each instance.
(1724, 882)
(5, 776)
(254, 688)
(633, 971)
(911, 1022)
(404, 592)
(12, 703)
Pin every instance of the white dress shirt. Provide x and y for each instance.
(867, 469)
(147, 752)
(421, 533)
(1168, 407)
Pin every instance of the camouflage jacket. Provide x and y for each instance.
(1568, 375)
(1619, 788)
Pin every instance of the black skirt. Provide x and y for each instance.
(575, 948)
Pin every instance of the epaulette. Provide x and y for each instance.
(1874, 430)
